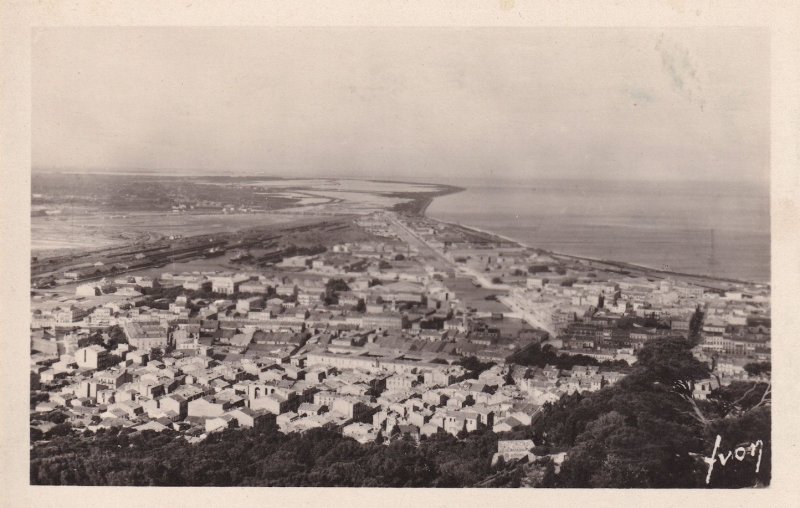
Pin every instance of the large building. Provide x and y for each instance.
(513, 450)
(146, 334)
(86, 290)
(93, 357)
(378, 364)
(383, 322)
(227, 285)
(70, 316)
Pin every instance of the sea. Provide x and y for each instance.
(720, 229)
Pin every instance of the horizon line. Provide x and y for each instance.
(349, 176)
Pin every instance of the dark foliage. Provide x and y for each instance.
(312, 250)
(93, 339)
(474, 366)
(645, 431)
(538, 268)
(361, 306)
(37, 397)
(696, 323)
(539, 356)
(334, 285)
(758, 368)
(669, 361)
(261, 457)
(116, 337)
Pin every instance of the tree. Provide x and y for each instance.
(336, 285)
(95, 338)
(60, 429)
(549, 477)
(474, 366)
(622, 452)
(756, 369)
(669, 361)
(639, 432)
(648, 431)
(696, 323)
(332, 288)
(537, 355)
(116, 336)
(751, 431)
(36, 434)
(361, 306)
(738, 399)
(56, 417)
(37, 397)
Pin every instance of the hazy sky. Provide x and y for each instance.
(390, 102)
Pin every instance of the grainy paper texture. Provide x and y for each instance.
(20, 22)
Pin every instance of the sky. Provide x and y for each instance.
(445, 103)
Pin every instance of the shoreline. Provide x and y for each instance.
(419, 205)
(624, 265)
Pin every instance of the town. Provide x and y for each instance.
(397, 253)
(411, 327)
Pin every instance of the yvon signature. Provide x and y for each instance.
(739, 453)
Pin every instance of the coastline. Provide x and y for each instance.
(419, 204)
(623, 265)
(420, 201)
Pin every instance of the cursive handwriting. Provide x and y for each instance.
(739, 454)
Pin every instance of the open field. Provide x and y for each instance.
(476, 297)
(48, 233)
(90, 211)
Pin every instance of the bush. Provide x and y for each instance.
(537, 268)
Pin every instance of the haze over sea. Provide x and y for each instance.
(719, 229)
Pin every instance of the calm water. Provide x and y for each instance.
(710, 229)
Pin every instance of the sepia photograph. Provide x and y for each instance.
(417, 257)
(411, 258)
